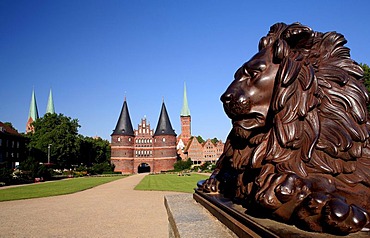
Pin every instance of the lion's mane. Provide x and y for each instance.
(320, 122)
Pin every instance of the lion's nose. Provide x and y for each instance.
(227, 97)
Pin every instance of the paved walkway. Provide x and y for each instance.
(110, 210)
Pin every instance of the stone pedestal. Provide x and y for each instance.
(188, 219)
(243, 225)
(206, 215)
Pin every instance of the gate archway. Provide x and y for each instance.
(143, 168)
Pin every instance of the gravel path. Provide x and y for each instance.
(110, 210)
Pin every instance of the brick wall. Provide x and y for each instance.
(163, 164)
(185, 129)
(123, 165)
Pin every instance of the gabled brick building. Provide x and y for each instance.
(143, 150)
(12, 147)
(202, 152)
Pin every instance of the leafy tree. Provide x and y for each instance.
(200, 139)
(366, 69)
(93, 150)
(214, 140)
(58, 131)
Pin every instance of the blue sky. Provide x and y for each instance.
(94, 53)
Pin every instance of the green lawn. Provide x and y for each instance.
(170, 182)
(53, 188)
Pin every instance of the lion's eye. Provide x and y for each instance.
(253, 74)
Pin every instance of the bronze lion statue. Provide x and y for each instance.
(299, 148)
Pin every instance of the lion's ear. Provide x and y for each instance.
(298, 36)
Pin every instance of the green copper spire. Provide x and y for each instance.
(50, 107)
(185, 112)
(34, 114)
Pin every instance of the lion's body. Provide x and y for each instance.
(314, 142)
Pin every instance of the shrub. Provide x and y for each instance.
(102, 168)
(182, 165)
(5, 175)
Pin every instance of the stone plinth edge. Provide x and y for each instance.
(188, 219)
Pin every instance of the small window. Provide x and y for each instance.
(164, 139)
(119, 139)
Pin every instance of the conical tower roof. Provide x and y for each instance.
(124, 125)
(34, 114)
(50, 107)
(185, 112)
(164, 126)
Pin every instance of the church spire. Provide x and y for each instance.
(185, 112)
(164, 126)
(50, 107)
(33, 114)
(124, 125)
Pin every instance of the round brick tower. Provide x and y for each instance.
(122, 143)
(164, 143)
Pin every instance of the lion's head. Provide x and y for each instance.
(306, 96)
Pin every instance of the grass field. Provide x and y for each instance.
(170, 182)
(54, 188)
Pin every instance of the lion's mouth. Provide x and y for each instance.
(249, 121)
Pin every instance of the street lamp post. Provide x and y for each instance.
(49, 153)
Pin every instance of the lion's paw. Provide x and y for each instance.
(210, 185)
(279, 189)
(342, 217)
(325, 212)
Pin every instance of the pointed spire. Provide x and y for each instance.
(164, 126)
(185, 112)
(34, 114)
(124, 125)
(50, 106)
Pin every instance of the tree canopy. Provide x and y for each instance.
(366, 69)
(93, 150)
(200, 139)
(60, 134)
